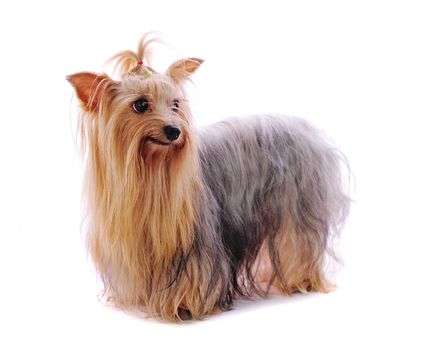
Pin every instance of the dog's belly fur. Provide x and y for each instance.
(275, 184)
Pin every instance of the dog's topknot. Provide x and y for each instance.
(125, 61)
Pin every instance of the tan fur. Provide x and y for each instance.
(140, 212)
(302, 265)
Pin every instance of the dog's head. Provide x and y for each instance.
(144, 110)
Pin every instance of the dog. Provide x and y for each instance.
(181, 221)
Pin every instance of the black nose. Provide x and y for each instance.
(172, 132)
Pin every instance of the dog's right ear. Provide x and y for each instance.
(89, 88)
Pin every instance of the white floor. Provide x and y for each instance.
(359, 71)
(380, 302)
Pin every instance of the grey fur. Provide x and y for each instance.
(262, 170)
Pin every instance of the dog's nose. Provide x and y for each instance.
(172, 132)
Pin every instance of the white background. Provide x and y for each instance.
(357, 69)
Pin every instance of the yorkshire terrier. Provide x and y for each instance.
(183, 221)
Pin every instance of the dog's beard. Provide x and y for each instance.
(155, 149)
(142, 197)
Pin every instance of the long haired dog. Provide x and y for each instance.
(183, 221)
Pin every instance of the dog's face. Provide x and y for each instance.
(145, 111)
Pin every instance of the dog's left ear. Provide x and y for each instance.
(90, 87)
(183, 69)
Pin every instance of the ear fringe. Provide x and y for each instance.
(126, 60)
(183, 69)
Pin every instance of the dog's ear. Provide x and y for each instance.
(89, 88)
(183, 69)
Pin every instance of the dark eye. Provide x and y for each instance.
(175, 105)
(141, 105)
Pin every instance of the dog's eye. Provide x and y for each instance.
(141, 105)
(175, 105)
